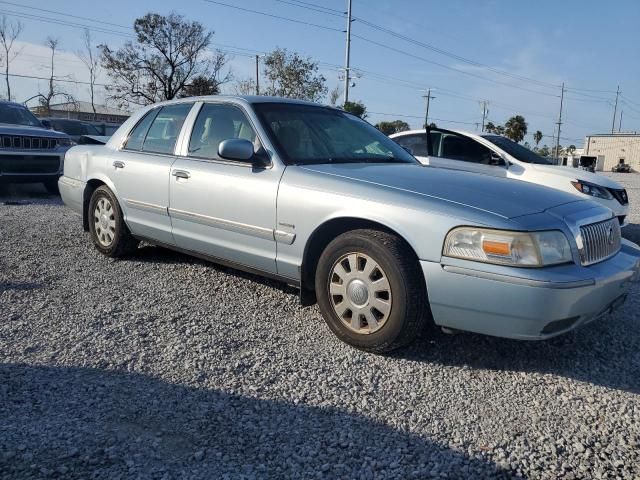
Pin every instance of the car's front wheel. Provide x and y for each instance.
(108, 230)
(371, 291)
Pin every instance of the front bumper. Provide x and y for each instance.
(528, 304)
(30, 166)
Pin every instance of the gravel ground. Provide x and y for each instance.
(162, 366)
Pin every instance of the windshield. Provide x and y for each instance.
(74, 128)
(517, 151)
(17, 115)
(307, 134)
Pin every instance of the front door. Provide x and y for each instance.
(140, 171)
(221, 208)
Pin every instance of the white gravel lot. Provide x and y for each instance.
(163, 366)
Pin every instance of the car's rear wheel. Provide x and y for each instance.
(371, 291)
(108, 230)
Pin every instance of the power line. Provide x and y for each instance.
(318, 8)
(454, 55)
(126, 27)
(56, 21)
(280, 17)
(448, 67)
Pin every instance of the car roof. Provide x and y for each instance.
(422, 130)
(246, 99)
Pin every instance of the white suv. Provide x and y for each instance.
(498, 156)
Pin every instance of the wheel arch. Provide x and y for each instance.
(322, 236)
(91, 185)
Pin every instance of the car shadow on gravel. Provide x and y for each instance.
(597, 353)
(61, 422)
(155, 254)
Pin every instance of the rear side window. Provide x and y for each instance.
(136, 137)
(416, 144)
(165, 128)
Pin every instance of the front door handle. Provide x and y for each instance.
(180, 174)
(118, 164)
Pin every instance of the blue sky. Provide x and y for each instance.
(591, 46)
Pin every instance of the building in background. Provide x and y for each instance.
(83, 111)
(614, 148)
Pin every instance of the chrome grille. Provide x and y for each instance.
(601, 240)
(24, 142)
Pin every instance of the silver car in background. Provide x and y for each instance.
(320, 199)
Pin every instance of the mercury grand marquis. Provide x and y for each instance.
(320, 199)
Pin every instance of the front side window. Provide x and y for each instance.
(17, 115)
(216, 123)
(306, 134)
(416, 144)
(459, 147)
(165, 128)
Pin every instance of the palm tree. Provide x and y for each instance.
(515, 128)
(537, 137)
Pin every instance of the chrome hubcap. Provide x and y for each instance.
(360, 293)
(104, 221)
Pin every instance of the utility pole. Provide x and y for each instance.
(257, 74)
(347, 71)
(485, 112)
(559, 124)
(620, 123)
(615, 109)
(428, 96)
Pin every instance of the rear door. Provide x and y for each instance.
(140, 171)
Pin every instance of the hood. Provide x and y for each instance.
(578, 174)
(499, 196)
(11, 129)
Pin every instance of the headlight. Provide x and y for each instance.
(592, 189)
(503, 247)
(65, 142)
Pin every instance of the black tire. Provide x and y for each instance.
(123, 243)
(52, 187)
(409, 309)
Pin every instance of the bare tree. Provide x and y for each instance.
(168, 53)
(53, 91)
(9, 32)
(334, 95)
(246, 87)
(91, 60)
(292, 76)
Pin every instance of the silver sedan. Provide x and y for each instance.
(320, 199)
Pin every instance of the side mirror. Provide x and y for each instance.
(237, 149)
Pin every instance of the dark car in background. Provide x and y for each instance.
(29, 153)
(74, 128)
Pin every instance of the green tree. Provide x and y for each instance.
(396, 126)
(544, 151)
(168, 53)
(200, 85)
(515, 128)
(571, 149)
(356, 108)
(292, 76)
(491, 127)
(537, 137)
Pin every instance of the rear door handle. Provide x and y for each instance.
(118, 164)
(180, 174)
